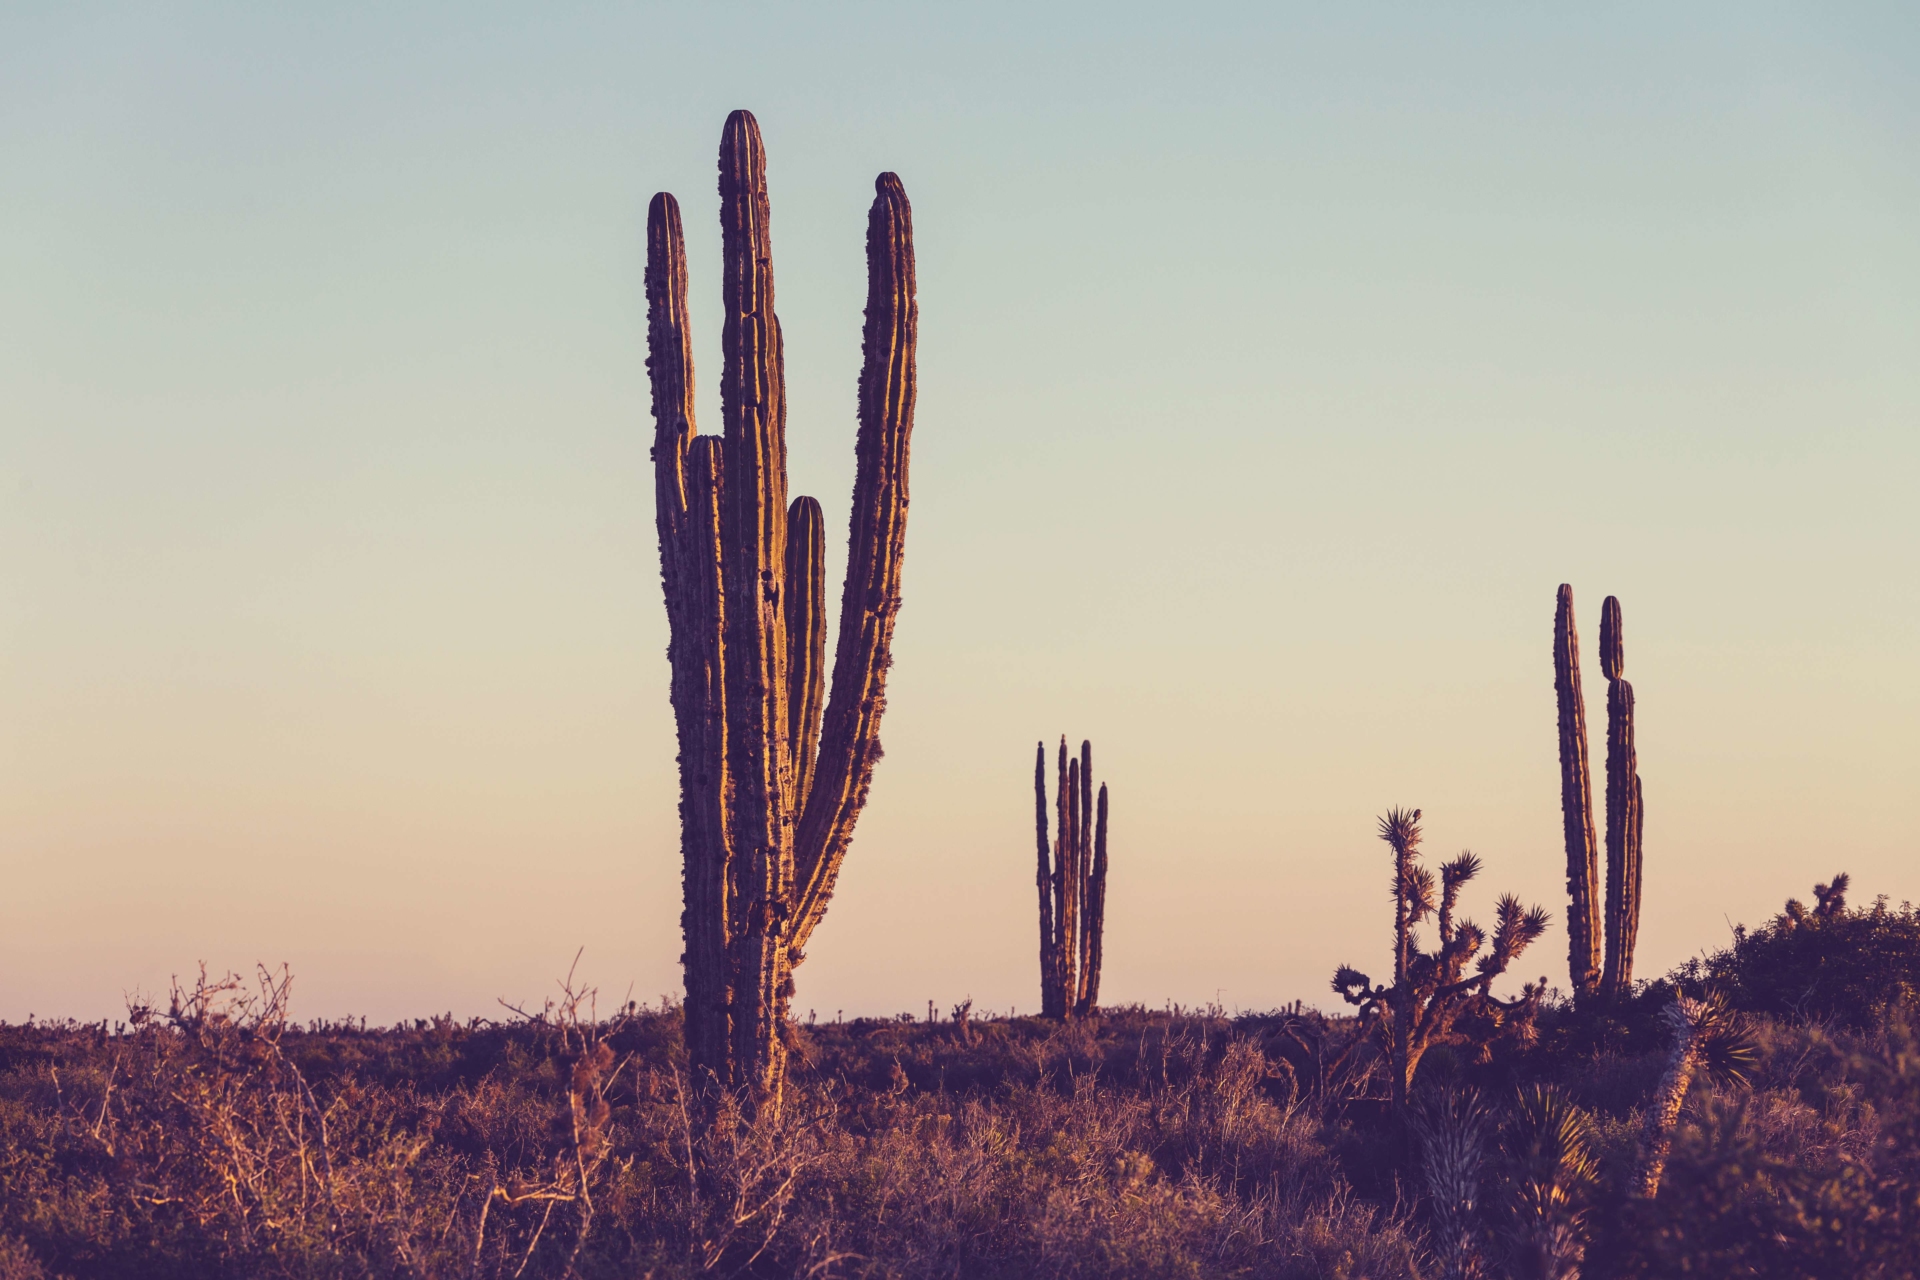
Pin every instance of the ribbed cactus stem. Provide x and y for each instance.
(1096, 910)
(1576, 804)
(1624, 813)
(770, 782)
(1049, 963)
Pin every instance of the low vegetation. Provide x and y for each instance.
(217, 1138)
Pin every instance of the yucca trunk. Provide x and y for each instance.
(1072, 880)
(1684, 1016)
(771, 782)
(1624, 812)
(1576, 805)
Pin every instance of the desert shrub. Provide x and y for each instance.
(1856, 966)
(224, 1141)
(1815, 1172)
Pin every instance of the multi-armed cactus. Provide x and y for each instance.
(1433, 1000)
(1072, 880)
(1612, 978)
(768, 792)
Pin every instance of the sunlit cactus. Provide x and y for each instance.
(1576, 804)
(771, 781)
(1624, 812)
(1433, 999)
(1590, 920)
(1072, 880)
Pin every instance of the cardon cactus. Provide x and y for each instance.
(1072, 880)
(1624, 813)
(1611, 977)
(771, 782)
(1576, 804)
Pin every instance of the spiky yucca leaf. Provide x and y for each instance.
(1452, 1129)
(1457, 871)
(1401, 829)
(1550, 1168)
(1519, 927)
(1832, 898)
(1727, 1048)
(1419, 894)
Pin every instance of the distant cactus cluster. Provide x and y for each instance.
(1072, 879)
(1609, 978)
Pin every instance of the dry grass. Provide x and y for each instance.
(223, 1141)
(218, 1139)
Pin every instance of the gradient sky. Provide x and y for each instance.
(1277, 363)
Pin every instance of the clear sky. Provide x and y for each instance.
(1277, 363)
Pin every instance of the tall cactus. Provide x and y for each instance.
(1072, 881)
(1624, 812)
(771, 782)
(1612, 977)
(1576, 805)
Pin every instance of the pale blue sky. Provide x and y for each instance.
(1277, 364)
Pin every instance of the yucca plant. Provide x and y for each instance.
(1452, 1128)
(1433, 999)
(1707, 1035)
(1549, 1171)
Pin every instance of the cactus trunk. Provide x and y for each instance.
(1624, 813)
(1576, 805)
(771, 782)
(1072, 879)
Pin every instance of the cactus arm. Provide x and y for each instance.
(687, 485)
(870, 602)
(1576, 803)
(755, 525)
(806, 622)
(1623, 820)
(1043, 877)
(1096, 907)
(1083, 868)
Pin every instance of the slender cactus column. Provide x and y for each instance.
(1096, 912)
(1576, 805)
(1624, 812)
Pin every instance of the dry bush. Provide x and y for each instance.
(219, 1139)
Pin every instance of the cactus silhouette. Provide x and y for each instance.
(1072, 880)
(1590, 920)
(1576, 805)
(1624, 812)
(771, 780)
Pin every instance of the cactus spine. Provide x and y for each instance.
(1624, 812)
(1576, 805)
(771, 781)
(1072, 882)
(1613, 977)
